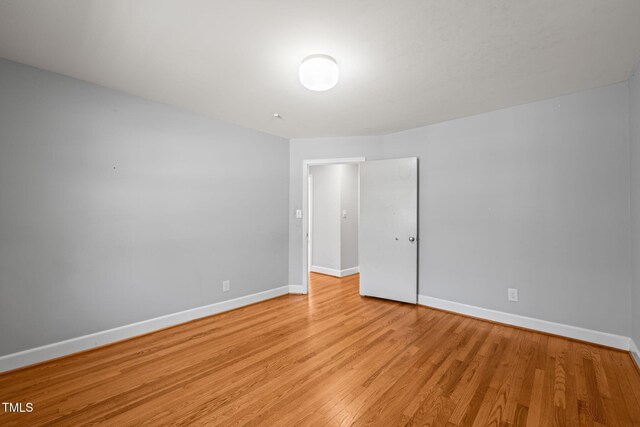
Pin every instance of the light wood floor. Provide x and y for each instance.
(333, 358)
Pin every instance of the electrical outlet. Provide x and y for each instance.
(225, 286)
(512, 294)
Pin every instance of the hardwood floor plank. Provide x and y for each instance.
(332, 358)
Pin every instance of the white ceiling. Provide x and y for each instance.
(403, 63)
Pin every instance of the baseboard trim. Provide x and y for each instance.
(635, 353)
(333, 272)
(296, 289)
(86, 342)
(582, 334)
(349, 271)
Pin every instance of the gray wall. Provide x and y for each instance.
(534, 197)
(634, 98)
(334, 238)
(349, 226)
(114, 209)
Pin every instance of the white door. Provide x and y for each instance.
(389, 229)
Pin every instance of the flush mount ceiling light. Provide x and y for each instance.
(319, 72)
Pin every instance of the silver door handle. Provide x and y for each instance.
(412, 239)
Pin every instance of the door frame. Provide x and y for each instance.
(305, 208)
(310, 223)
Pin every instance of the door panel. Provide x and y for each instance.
(389, 229)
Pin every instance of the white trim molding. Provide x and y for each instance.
(324, 270)
(333, 272)
(296, 289)
(349, 271)
(340, 160)
(582, 334)
(635, 352)
(86, 342)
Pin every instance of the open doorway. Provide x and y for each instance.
(331, 217)
(387, 228)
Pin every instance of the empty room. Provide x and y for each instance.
(320, 213)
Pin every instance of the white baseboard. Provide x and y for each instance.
(635, 352)
(333, 272)
(324, 270)
(597, 337)
(349, 271)
(74, 345)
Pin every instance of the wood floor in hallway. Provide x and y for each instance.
(333, 358)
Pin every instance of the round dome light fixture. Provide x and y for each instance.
(319, 72)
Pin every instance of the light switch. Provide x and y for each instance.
(298, 213)
(344, 213)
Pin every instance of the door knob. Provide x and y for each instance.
(412, 239)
